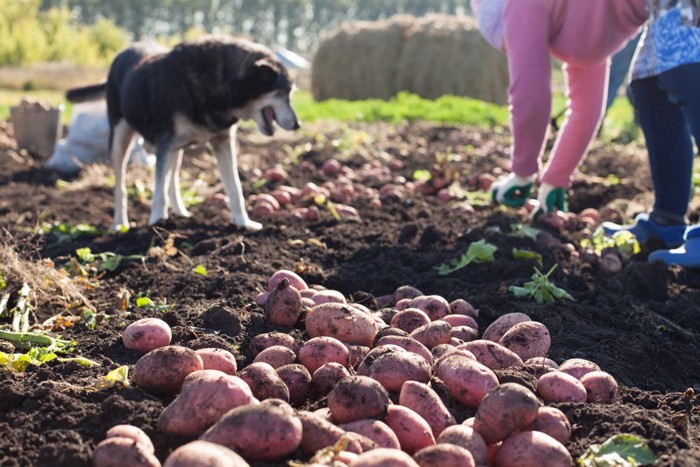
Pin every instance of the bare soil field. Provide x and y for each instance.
(641, 324)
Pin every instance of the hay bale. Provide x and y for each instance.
(360, 59)
(431, 56)
(448, 55)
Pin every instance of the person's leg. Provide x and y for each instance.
(681, 85)
(668, 142)
(670, 150)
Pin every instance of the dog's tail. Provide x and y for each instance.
(93, 92)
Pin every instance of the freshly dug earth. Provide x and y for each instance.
(642, 324)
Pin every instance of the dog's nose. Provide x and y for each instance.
(296, 124)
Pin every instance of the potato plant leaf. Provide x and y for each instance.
(523, 230)
(624, 242)
(524, 255)
(201, 270)
(478, 252)
(621, 450)
(118, 376)
(540, 288)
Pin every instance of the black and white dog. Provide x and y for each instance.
(192, 94)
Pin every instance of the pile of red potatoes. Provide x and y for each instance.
(381, 373)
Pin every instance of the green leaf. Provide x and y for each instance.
(145, 302)
(422, 175)
(524, 255)
(201, 270)
(622, 450)
(89, 318)
(524, 230)
(478, 252)
(85, 255)
(541, 289)
(110, 261)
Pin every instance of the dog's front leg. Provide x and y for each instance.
(175, 194)
(226, 157)
(121, 138)
(159, 203)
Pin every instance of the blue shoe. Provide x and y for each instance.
(645, 229)
(687, 255)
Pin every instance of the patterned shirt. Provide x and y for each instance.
(671, 38)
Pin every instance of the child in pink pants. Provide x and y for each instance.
(582, 34)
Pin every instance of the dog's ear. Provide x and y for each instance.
(264, 71)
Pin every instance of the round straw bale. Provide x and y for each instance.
(447, 55)
(359, 59)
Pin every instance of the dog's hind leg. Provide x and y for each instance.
(175, 194)
(159, 202)
(226, 158)
(121, 138)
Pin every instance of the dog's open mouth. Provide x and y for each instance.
(269, 118)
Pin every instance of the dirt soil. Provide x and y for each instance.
(641, 324)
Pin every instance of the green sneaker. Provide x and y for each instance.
(551, 199)
(512, 190)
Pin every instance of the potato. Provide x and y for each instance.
(205, 396)
(453, 351)
(393, 369)
(356, 353)
(327, 376)
(557, 386)
(328, 296)
(118, 452)
(147, 334)
(264, 382)
(466, 380)
(541, 362)
(434, 306)
(411, 429)
(463, 307)
(502, 324)
(407, 343)
(423, 400)
(363, 368)
(406, 292)
(204, 454)
(461, 320)
(440, 350)
(553, 422)
(294, 279)
(318, 351)
(343, 322)
(528, 339)
(465, 437)
(435, 333)
(577, 367)
(318, 433)
(266, 431)
(268, 339)
(162, 371)
(283, 305)
(298, 381)
(384, 457)
(218, 359)
(131, 432)
(532, 449)
(357, 398)
(409, 319)
(465, 333)
(506, 409)
(492, 354)
(600, 386)
(376, 430)
(276, 356)
(444, 455)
